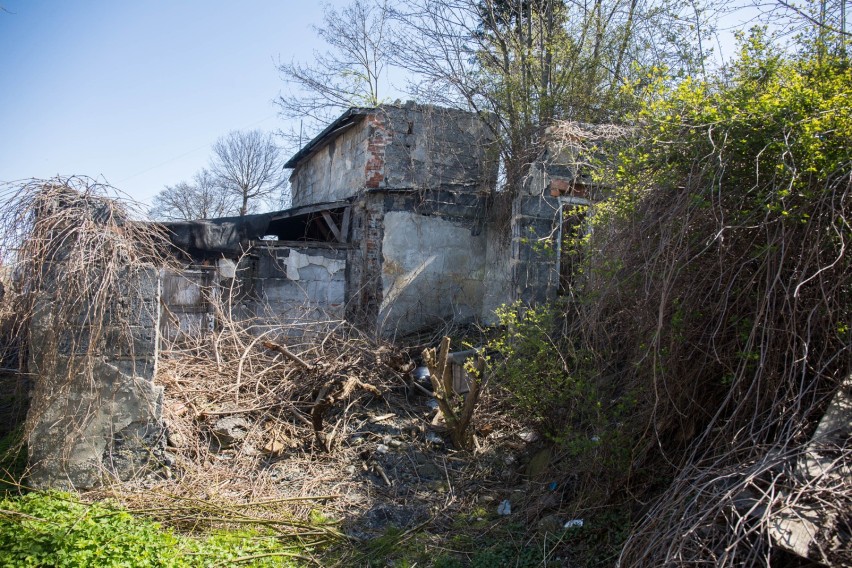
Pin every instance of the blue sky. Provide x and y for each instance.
(137, 91)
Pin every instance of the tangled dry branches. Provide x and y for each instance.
(74, 257)
(730, 317)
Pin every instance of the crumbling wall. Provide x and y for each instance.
(535, 248)
(398, 147)
(429, 147)
(559, 181)
(497, 280)
(364, 263)
(301, 284)
(96, 413)
(274, 284)
(187, 302)
(432, 272)
(336, 171)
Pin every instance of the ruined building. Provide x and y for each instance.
(392, 227)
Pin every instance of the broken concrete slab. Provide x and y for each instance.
(229, 431)
(96, 414)
(105, 426)
(818, 529)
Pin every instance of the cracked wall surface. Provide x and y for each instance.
(301, 284)
(398, 147)
(432, 271)
(96, 414)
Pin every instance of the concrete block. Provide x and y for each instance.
(284, 291)
(96, 414)
(335, 292)
(82, 425)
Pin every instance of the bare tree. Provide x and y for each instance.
(249, 166)
(203, 198)
(532, 62)
(820, 23)
(351, 72)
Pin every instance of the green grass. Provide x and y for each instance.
(58, 530)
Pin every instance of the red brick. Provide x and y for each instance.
(559, 186)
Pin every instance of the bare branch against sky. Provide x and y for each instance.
(249, 165)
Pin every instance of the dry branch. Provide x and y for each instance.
(441, 374)
(287, 353)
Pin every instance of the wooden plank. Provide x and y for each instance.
(332, 225)
(305, 209)
(344, 225)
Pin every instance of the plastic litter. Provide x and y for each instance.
(433, 438)
(528, 436)
(421, 374)
(505, 508)
(573, 523)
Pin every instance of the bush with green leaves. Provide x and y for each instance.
(558, 387)
(543, 374)
(719, 271)
(721, 282)
(710, 324)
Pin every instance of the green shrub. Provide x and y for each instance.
(722, 276)
(548, 380)
(566, 392)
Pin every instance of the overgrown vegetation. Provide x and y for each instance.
(714, 303)
(57, 529)
(677, 390)
(731, 232)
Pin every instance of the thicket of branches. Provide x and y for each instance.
(203, 198)
(246, 175)
(530, 63)
(538, 62)
(74, 253)
(718, 286)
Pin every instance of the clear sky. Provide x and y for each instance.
(135, 92)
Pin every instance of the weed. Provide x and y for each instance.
(55, 529)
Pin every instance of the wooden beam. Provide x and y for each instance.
(322, 228)
(344, 225)
(332, 225)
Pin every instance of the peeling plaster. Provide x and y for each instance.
(297, 260)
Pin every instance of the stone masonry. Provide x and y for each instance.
(96, 413)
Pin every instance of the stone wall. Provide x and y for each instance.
(96, 413)
(364, 263)
(187, 302)
(418, 259)
(398, 147)
(497, 280)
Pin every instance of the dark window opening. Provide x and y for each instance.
(310, 227)
(573, 231)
